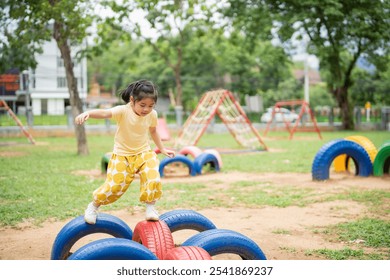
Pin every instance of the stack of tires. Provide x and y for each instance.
(153, 240)
(367, 159)
(195, 159)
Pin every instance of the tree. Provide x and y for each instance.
(340, 32)
(210, 60)
(27, 24)
(371, 86)
(170, 24)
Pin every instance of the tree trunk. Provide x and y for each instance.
(177, 71)
(75, 101)
(179, 90)
(341, 95)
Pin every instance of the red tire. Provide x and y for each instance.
(154, 235)
(194, 151)
(188, 253)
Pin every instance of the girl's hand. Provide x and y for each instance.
(168, 153)
(80, 119)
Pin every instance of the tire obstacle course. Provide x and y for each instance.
(341, 162)
(367, 159)
(177, 159)
(78, 228)
(190, 156)
(153, 240)
(209, 157)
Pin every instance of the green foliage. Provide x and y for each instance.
(319, 96)
(338, 33)
(173, 25)
(287, 90)
(204, 67)
(193, 54)
(25, 25)
(372, 87)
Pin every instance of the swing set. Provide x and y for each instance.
(293, 127)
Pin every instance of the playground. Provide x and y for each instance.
(290, 232)
(236, 195)
(277, 204)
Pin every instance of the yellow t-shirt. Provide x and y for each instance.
(132, 134)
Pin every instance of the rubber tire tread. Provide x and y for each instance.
(203, 159)
(154, 235)
(188, 253)
(328, 152)
(381, 160)
(113, 249)
(78, 228)
(341, 162)
(194, 151)
(186, 219)
(224, 241)
(178, 158)
(216, 154)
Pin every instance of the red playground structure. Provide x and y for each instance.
(4, 104)
(222, 103)
(305, 109)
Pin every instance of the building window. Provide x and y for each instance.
(60, 62)
(61, 82)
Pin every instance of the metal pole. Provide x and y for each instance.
(306, 86)
(26, 88)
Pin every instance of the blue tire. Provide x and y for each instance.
(327, 153)
(203, 159)
(177, 158)
(223, 241)
(113, 249)
(186, 219)
(78, 228)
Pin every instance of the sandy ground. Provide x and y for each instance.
(282, 233)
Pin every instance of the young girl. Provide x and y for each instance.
(132, 153)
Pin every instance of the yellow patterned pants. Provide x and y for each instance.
(120, 173)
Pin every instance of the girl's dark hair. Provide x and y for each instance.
(139, 90)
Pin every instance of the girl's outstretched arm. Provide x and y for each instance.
(157, 140)
(94, 114)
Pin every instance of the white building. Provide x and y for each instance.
(47, 82)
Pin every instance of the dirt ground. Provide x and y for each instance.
(282, 233)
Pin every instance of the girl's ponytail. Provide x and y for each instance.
(139, 90)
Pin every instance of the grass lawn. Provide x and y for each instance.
(39, 182)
